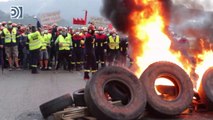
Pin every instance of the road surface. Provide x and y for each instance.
(21, 93)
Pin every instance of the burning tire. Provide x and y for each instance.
(101, 108)
(206, 87)
(165, 104)
(56, 105)
(78, 97)
(118, 92)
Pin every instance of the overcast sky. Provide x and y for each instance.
(68, 8)
(197, 4)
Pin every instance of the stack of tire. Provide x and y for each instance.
(181, 81)
(135, 96)
(114, 82)
(63, 102)
(119, 84)
(55, 105)
(206, 88)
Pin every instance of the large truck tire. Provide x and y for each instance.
(115, 91)
(56, 105)
(181, 81)
(78, 97)
(101, 108)
(206, 88)
(118, 92)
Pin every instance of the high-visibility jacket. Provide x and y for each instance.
(65, 42)
(114, 43)
(9, 37)
(43, 43)
(35, 41)
(47, 38)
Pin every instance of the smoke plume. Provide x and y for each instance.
(191, 19)
(117, 12)
(206, 5)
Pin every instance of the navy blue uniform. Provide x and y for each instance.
(100, 43)
(77, 51)
(89, 55)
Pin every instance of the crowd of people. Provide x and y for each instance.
(55, 47)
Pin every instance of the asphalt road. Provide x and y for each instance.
(21, 93)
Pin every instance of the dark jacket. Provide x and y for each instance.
(89, 43)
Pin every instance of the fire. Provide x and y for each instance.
(164, 81)
(149, 28)
(154, 44)
(206, 61)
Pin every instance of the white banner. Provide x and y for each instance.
(50, 18)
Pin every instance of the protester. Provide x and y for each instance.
(48, 47)
(9, 36)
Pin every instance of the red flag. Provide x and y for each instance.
(81, 21)
(74, 21)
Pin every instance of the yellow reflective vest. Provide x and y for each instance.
(114, 43)
(9, 37)
(35, 40)
(43, 43)
(64, 43)
(47, 38)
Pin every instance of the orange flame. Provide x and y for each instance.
(154, 44)
(203, 59)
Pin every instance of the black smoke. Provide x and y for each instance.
(118, 11)
(187, 22)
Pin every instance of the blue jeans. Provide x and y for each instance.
(26, 57)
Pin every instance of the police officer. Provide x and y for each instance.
(89, 53)
(10, 36)
(65, 42)
(100, 43)
(35, 45)
(113, 48)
